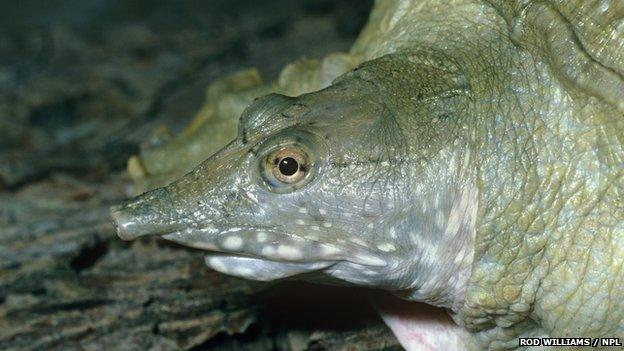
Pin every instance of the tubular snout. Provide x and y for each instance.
(151, 213)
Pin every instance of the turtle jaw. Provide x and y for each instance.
(131, 222)
(272, 244)
(261, 269)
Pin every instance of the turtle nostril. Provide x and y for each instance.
(125, 226)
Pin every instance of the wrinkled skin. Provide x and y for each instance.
(473, 161)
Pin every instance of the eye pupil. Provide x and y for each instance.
(288, 166)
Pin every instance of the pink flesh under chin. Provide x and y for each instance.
(421, 327)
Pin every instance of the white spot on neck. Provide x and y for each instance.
(393, 233)
(449, 262)
(359, 241)
(386, 247)
(289, 252)
(440, 219)
(268, 251)
(233, 243)
(329, 250)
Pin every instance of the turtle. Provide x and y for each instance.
(467, 154)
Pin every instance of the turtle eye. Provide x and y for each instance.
(288, 161)
(288, 165)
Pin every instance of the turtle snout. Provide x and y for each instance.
(151, 213)
(126, 225)
(119, 223)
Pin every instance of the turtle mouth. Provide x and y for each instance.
(154, 213)
(255, 254)
(242, 245)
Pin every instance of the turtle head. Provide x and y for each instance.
(326, 183)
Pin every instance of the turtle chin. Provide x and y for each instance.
(261, 269)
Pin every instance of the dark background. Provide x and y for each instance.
(82, 84)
